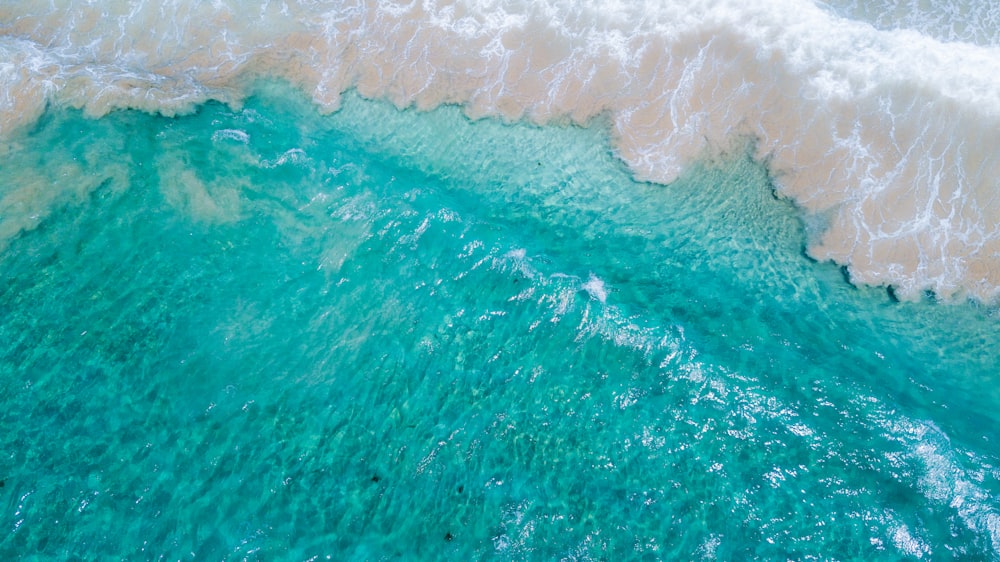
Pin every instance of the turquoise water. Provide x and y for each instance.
(262, 333)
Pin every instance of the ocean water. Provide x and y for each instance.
(438, 281)
(266, 333)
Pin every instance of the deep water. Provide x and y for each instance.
(263, 333)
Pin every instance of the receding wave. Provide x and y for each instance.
(970, 21)
(887, 137)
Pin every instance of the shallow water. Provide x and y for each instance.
(264, 333)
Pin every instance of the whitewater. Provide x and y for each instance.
(885, 138)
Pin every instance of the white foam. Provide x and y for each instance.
(596, 289)
(890, 134)
(232, 135)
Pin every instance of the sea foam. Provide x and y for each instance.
(886, 137)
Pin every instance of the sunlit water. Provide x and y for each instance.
(264, 333)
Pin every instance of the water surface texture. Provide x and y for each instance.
(240, 322)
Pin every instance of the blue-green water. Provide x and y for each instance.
(268, 334)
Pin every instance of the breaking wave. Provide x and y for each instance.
(885, 136)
